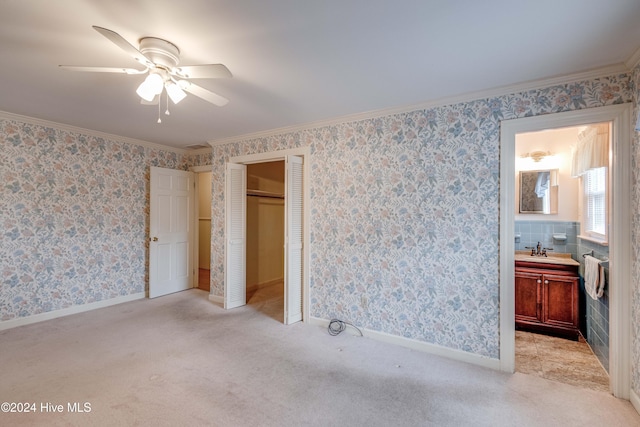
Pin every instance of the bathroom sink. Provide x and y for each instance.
(551, 258)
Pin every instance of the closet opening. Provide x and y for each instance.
(203, 187)
(265, 238)
(266, 233)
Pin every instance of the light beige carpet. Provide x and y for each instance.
(181, 360)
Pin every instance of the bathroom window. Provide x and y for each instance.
(594, 205)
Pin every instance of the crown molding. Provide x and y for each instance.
(467, 97)
(68, 128)
(634, 60)
(204, 150)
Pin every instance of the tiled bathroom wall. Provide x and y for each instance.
(529, 233)
(596, 325)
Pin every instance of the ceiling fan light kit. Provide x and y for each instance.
(175, 92)
(150, 87)
(161, 58)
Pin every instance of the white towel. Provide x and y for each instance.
(542, 184)
(593, 277)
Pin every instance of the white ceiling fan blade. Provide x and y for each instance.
(102, 69)
(205, 71)
(203, 93)
(125, 45)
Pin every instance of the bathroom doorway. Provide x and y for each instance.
(620, 270)
(583, 358)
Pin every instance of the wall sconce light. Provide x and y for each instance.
(536, 156)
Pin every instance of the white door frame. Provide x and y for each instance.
(275, 156)
(196, 205)
(620, 240)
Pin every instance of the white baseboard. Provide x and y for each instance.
(217, 299)
(635, 400)
(21, 321)
(266, 283)
(461, 356)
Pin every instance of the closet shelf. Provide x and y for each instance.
(260, 193)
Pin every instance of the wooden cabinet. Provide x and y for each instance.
(547, 298)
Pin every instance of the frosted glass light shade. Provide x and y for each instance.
(175, 92)
(150, 87)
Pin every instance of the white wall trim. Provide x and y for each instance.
(196, 151)
(266, 283)
(633, 60)
(449, 353)
(205, 150)
(270, 156)
(216, 299)
(201, 169)
(41, 317)
(68, 128)
(620, 245)
(467, 97)
(635, 401)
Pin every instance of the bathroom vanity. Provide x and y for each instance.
(546, 294)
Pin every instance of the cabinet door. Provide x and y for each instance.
(560, 304)
(528, 296)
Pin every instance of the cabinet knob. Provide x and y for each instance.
(546, 282)
(539, 281)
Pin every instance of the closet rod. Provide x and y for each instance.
(258, 193)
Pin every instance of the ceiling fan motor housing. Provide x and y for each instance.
(161, 52)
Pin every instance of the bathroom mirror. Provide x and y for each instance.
(539, 192)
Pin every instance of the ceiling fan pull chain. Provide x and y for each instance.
(159, 99)
(167, 112)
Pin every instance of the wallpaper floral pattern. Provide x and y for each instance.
(404, 213)
(74, 217)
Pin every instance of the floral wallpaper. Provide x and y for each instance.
(74, 217)
(404, 213)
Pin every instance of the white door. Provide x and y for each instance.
(293, 264)
(171, 228)
(235, 287)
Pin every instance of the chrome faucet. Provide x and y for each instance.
(538, 250)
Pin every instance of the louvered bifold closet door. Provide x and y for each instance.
(293, 239)
(235, 274)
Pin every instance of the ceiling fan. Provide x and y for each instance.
(160, 59)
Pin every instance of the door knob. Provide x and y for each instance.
(155, 239)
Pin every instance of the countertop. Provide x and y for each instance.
(551, 258)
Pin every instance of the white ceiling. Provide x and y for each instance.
(295, 61)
